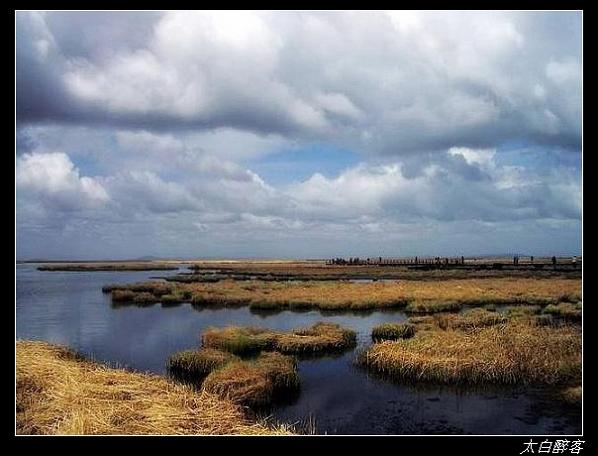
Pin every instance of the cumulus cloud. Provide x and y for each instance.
(148, 192)
(153, 130)
(386, 83)
(54, 179)
(467, 185)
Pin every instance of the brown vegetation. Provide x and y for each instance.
(565, 310)
(417, 296)
(255, 383)
(58, 392)
(196, 364)
(300, 270)
(321, 337)
(393, 331)
(514, 352)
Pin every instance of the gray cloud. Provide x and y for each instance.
(387, 83)
(138, 132)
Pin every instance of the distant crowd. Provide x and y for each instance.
(380, 260)
(423, 261)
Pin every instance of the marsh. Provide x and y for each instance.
(336, 395)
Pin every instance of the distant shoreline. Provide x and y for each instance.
(285, 260)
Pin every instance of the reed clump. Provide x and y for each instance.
(197, 364)
(522, 311)
(430, 306)
(419, 296)
(255, 383)
(145, 298)
(393, 331)
(513, 353)
(321, 337)
(123, 295)
(423, 322)
(469, 320)
(565, 310)
(176, 297)
(239, 340)
(155, 287)
(59, 392)
(571, 297)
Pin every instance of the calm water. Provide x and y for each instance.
(70, 308)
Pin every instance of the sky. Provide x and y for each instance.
(297, 134)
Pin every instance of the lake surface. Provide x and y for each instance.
(336, 396)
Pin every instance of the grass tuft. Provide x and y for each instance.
(469, 320)
(393, 331)
(239, 340)
(195, 365)
(123, 295)
(433, 306)
(565, 310)
(155, 288)
(522, 311)
(255, 383)
(321, 337)
(512, 353)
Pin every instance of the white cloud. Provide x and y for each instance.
(481, 157)
(561, 72)
(169, 116)
(481, 189)
(411, 80)
(145, 191)
(55, 179)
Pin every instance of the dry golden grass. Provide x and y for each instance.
(304, 269)
(564, 310)
(393, 331)
(469, 320)
(430, 306)
(417, 296)
(423, 322)
(196, 364)
(426, 296)
(154, 287)
(515, 352)
(255, 383)
(321, 337)
(60, 393)
(521, 311)
(239, 340)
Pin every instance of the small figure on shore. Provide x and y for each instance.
(531, 259)
(554, 261)
(515, 260)
(462, 259)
